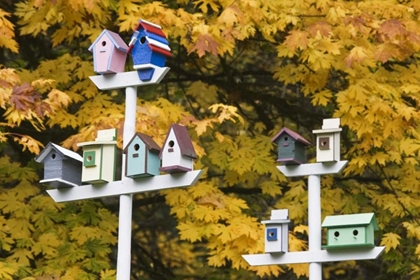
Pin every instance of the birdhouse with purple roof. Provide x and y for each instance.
(109, 53)
(177, 153)
(142, 157)
(149, 49)
(291, 147)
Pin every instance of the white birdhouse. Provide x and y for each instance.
(277, 232)
(328, 141)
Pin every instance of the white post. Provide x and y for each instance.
(314, 224)
(126, 200)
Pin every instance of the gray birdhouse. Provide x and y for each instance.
(277, 232)
(355, 230)
(328, 141)
(99, 157)
(62, 167)
(291, 147)
(178, 152)
(142, 156)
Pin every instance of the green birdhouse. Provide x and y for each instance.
(355, 230)
(291, 147)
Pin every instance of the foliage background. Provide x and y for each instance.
(240, 71)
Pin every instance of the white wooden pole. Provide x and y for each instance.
(314, 224)
(126, 200)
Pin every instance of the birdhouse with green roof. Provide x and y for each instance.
(354, 230)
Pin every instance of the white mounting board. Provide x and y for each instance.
(127, 79)
(126, 186)
(314, 256)
(318, 168)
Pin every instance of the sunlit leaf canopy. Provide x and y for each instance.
(240, 71)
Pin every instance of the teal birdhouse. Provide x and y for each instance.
(99, 157)
(142, 156)
(291, 147)
(277, 232)
(355, 230)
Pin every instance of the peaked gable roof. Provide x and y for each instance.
(183, 139)
(155, 37)
(147, 140)
(59, 149)
(292, 134)
(115, 39)
(350, 220)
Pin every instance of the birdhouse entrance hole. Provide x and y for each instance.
(53, 156)
(142, 40)
(103, 43)
(136, 147)
(324, 143)
(336, 234)
(355, 232)
(171, 146)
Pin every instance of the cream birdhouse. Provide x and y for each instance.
(99, 157)
(328, 141)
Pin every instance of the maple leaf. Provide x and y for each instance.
(390, 240)
(392, 28)
(357, 55)
(322, 27)
(297, 40)
(205, 43)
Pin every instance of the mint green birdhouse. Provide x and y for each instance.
(354, 230)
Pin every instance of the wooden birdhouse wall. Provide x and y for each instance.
(53, 165)
(136, 158)
(72, 171)
(142, 52)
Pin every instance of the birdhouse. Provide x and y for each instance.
(109, 53)
(328, 141)
(149, 49)
(99, 157)
(177, 153)
(291, 147)
(355, 230)
(142, 156)
(277, 232)
(62, 167)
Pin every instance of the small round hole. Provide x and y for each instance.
(286, 138)
(324, 143)
(142, 40)
(103, 43)
(136, 147)
(271, 233)
(89, 158)
(336, 234)
(53, 156)
(171, 143)
(355, 232)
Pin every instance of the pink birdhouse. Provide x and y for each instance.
(178, 152)
(109, 53)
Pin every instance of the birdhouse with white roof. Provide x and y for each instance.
(99, 157)
(177, 153)
(62, 167)
(291, 147)
(109, 53)
(328, 141)
(142, 156)
(276, 237)
(354, 230)
(149, 49)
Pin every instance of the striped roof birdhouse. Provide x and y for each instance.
(149, 49)
(142, 156)
(291, 147)
(177, 153)
(109, 53)
(62, 167)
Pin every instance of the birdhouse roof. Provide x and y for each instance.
(183, 139)
(350, 220)
(155, 37)
(292, 134)
(147, 140)
(58, 149)
(115, 39)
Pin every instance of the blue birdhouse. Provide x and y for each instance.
(291, 147)
(142, 156)
(149, 49)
